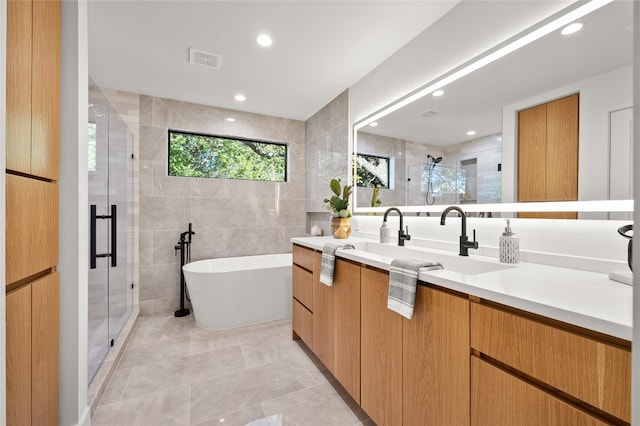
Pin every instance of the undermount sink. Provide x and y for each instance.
(450, 262)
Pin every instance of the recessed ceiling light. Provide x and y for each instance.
(240, 98)
(437, 93)
(374, 124)
(572, 28)
(264, 40)
(231, 119)
(471, 132)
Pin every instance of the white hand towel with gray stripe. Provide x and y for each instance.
(329, 261)
(403, 279)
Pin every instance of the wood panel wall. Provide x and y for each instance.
(32, 149)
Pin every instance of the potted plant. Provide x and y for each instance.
(338, 204)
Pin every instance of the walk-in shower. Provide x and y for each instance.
(110, 237)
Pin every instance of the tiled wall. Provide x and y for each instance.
(230, 217)
(327, 150)
(127, 106)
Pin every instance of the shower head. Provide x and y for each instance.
(434, 160)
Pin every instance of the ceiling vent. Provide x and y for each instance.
(205, 59)
(428, 113)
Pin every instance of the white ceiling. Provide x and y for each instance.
(475, 102)
(320, 48)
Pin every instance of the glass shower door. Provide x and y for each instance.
(110, 192)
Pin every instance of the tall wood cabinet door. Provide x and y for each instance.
(18, 132)
(45, 127)
(45, 349)
(562, 149)
(500, 398)
(322, 316)
(532, 143)
(381, 365)
(435, 363)
(31, 227)
(346, 326)
(18, 310)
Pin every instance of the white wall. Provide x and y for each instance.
(73, 185)
(599, 96)
(3, 93)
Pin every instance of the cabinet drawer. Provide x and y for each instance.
(303, 257)
(303, 286)
(499, 398)
(303, 323)
(595, 372)
(32, 227)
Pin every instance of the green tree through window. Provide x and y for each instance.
(196, 155)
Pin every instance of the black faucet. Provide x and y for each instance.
(402, 236)
(465, 244)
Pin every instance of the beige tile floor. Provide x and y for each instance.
(173, 373)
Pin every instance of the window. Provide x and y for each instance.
(210, 156)
(373, 171)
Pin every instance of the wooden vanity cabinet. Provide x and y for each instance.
(346, 326)
(381, 358)
(327, 318)
(323, 336)
(302, 309)
(435, 359)
(500, 398)
(587, 370)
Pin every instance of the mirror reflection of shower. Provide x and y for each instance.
(430, 198)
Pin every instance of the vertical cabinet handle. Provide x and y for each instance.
(114, 236)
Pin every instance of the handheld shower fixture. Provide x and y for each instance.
(434, 160)
(430, 199)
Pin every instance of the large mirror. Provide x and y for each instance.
(462, 147)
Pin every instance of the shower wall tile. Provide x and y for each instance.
(155, 276)
(146, 178)
(229, 217)
(252, 241)
(177, 115)
(164, 213)
(165, 185)
(208, 187)
(275, 213)
(146, 111)
(240, 188)
(327, 150)
(295, 188)
(156, 142)
(209, 213)
(211, 244)
(164, 252)
(146, 248)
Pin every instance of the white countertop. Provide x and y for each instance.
(586, 299)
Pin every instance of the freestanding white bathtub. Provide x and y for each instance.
(234, 291)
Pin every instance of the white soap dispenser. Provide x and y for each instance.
(385, 233)
(509, 246)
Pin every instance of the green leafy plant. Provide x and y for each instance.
(338, 204)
